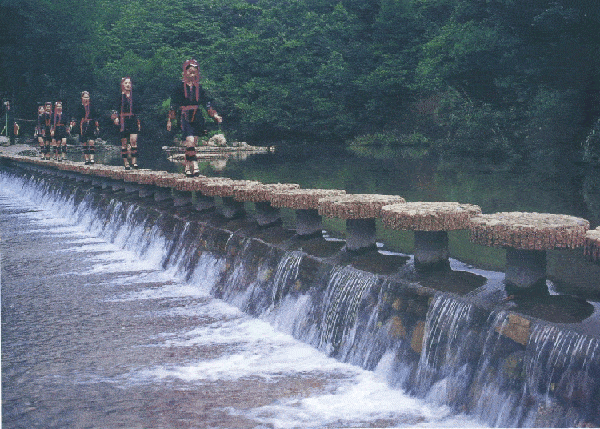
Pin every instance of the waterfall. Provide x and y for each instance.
(344, 293)
(500, 367)
(445, 365)
(285, 275)
(561, 369)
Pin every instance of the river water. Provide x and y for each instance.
(96, 334)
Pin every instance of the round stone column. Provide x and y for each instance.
(527, 237)
(305, 202)
(430, 222)
(259, 194)
(360, 212)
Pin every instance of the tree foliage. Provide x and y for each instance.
(497, 77)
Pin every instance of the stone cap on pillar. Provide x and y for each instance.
(301, 199)
(592, 244)
(68, 166)
(356, 206)
(82, 169)
(429, 216)
(142, 177)
(167, 180)
(528, 231)
(189, 183)
(259, 193)
(106, 170)
(120, 173)
(222, 187)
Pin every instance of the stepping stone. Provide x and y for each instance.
(360, 212)
(260, 195)
(526, 238)
(592, 245)
(306, 204)
(430, 222)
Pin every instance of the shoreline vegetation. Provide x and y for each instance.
(500, 81)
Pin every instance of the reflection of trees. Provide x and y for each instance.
(591, 147)
(218, 161)
(591, 194)
(218, 164)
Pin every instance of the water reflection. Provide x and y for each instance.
(458, 282)
(555, 308)
(550, 187)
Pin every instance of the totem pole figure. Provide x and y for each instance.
(129, 125)
(187, 100)
(88, 127)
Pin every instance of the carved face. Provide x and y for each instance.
(191, 74)
(126, 85)
(85, 98)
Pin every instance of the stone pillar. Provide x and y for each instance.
(525, 268)
(431, 249)
(308, 222)
(162, 194)
(132, 188)
(232, 208)
(266, 214)
(360, 234)
(99, 182)
(204, 202)
(117, 185)
(181, 198)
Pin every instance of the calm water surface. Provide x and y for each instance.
(555, 185)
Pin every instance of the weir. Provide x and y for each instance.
(452, 336)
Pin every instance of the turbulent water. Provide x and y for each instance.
(103, 328)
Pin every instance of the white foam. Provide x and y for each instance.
(252, 348)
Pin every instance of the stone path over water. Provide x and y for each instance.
(92, 337)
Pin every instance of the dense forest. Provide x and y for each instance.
(495, 79)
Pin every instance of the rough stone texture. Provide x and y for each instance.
(188, 183)
(142, 177)
(356, 206)
(429, 216)
(260, 193)
(167, 180)
(220, 187)
(528, 231)
(217, 140)
(416, 342)
(107, 170)
(302, 199)
(592, 245)
(517, 329)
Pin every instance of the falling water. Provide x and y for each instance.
(286, 274)
(465, 363)
(119, 328)
(444, 369)
(344, 292)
